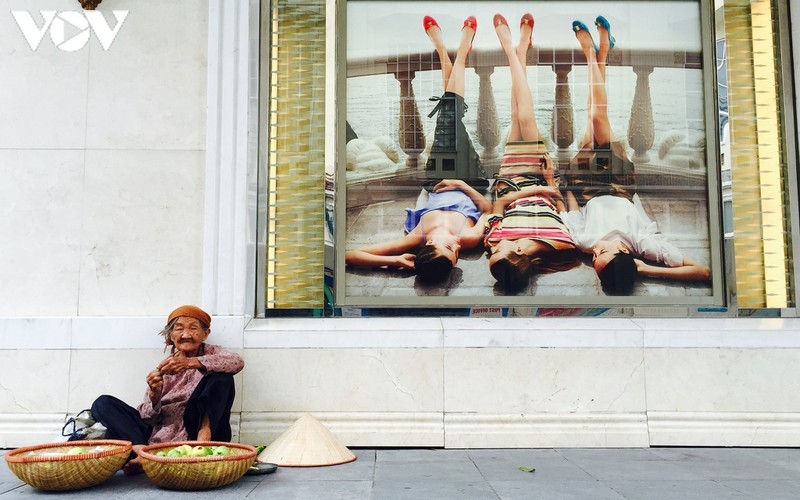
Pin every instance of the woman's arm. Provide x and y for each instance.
(395, 253)
(558, 201)
(480, 201)
(150, 409)
(572, 202)
(220, 360)
(155, 383)
(689, 271)
(473, 236)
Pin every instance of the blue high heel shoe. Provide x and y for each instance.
(578, 26)
(602, 22)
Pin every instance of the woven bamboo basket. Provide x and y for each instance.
(196, 473)
(48, 467)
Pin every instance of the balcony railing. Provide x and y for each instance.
(641, 123)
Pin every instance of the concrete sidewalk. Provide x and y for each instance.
(596, 474)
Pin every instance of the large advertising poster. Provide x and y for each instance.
(517, 153)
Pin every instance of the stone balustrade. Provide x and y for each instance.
(641, 125)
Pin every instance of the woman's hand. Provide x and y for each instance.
(405, 261)
(479, 199)
(178, 364)
(156, 383)
(552, 193)
(689, 271)
(449, 185)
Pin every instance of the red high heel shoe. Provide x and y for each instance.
(428, 22)
(527, 18)
(498, 20)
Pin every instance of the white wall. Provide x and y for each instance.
(451, 382)
(102, 158)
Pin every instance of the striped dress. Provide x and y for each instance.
(532, 217)
(522, 165)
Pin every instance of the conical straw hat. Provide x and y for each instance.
(307, 443)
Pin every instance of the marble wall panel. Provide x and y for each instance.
(23, 334)
(120, 373)
(721, 332)
(358, 428)
(343, 332)
(149, 89)
(723, 380)
(142, 232)
(541, 332)
(530, 380)
(35, 382)
(352, 380)
(40, 216)
(44, 90)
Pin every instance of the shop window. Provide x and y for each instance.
(750, 219)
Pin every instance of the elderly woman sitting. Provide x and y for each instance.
(189, 394)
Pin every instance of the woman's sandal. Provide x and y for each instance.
(602, 22)
(578, 26)
(428, 22)
(527, 18)
(259, 468)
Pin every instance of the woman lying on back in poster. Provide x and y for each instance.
(604, 218)
(189, 394)
(525, 234)
(453, 215)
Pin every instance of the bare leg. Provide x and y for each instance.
(606, 43)
(525, 39)
(435, 34)
(455, 83)
(204, 432)
(523, 120)
(598, 128)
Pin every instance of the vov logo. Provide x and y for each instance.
(56, 23)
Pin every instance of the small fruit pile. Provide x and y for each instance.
(75, 450)
(185, 450)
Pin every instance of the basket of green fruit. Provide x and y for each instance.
(196, 465)
(70, 465)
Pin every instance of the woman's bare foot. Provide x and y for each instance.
(133, 467)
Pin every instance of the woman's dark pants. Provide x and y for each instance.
(213, 396)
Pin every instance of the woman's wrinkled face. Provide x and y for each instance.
(604, 252)
(187, 335)
(447, 246)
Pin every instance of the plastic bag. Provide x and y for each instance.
(83, 426)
